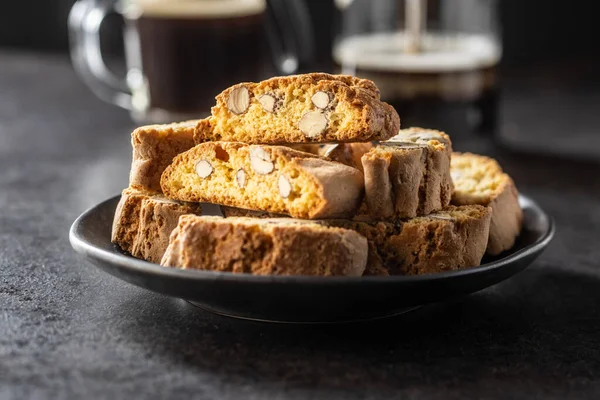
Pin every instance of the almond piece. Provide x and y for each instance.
(327, 149)
(267, 102)
(285, 188)
(320, 100)
(203, 169)
(313, 124)
(239, 100)
(240, 176)
(260, 161)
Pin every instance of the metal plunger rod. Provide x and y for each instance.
(415, 19)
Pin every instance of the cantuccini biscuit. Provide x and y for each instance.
(154, 147)
(447, 240)
(480, 180)
(265, 247)
(144, 220)
(310, 108)
(408, 175)
(275, 179)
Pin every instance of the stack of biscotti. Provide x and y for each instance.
(313, 176)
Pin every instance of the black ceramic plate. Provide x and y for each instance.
(302, 298)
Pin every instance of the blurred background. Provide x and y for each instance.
(550, 62)
(533, 33)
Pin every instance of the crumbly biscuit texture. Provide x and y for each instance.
(480, 180)
(144, 221)
(154, 147)
(309, 108)
(274, 179)
(265, 247)
(408, 175)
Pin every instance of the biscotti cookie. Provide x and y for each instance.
(480, 180)
(144, 220)
(154, 147)
(265, 247)
(447, 240)
(408, 175)
(275, 179)
(306, 108)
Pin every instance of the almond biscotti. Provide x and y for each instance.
(408, 175)
(275, 179)
(480, 180)
(265, 247)
(310, 108)
(447, 240)
(144, 220)
(154, 147)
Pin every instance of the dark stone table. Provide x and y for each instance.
(68, 330)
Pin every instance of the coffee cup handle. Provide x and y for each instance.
(85, 19)
(291, 40)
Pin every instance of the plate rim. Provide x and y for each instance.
(89, 250)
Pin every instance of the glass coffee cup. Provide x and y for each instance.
(181, 53)
(435, 61)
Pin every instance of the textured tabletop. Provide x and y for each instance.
(69, 330)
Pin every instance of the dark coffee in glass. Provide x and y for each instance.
(181, 54)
